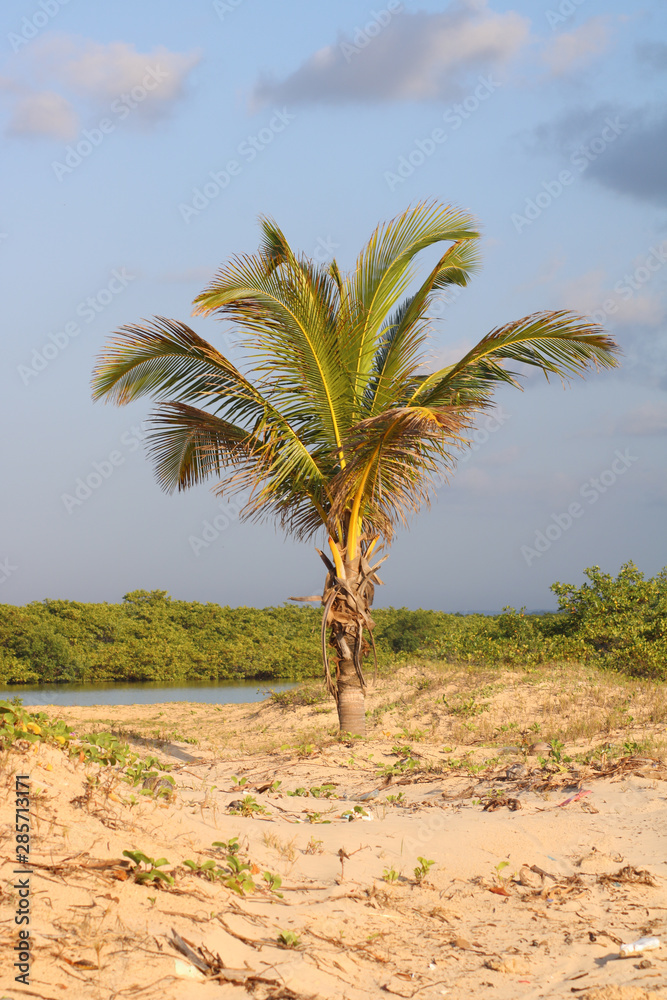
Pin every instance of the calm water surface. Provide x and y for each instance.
(149, 693)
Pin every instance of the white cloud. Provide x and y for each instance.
(45, 113)
(98, 79)
(414, 56)
(572, 50)
(102, 73)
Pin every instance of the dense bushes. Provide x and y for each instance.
(618, 622)
(623, 621)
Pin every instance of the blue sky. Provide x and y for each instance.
(141, 142)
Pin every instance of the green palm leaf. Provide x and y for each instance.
(560, 343)
(384, 272)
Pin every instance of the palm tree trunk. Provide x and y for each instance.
(346, 627)
(350, 700)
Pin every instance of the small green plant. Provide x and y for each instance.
(315, 817)
(274, 882)
(235, 874)
(498, 869)
(422, 869)
(299, 791)
(248, 806)
(632, 747)
(288, 939)
(325, 791)
(557, 748)
(396, 800)
(415, 734)
(151, 872)
(238, 878)
(405, 763)
(208, 869)
(16, 723)
(238, 783)
(231, 846)
(390, 874)
(313, 846)
(467, 708)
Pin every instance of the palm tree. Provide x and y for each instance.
(335, 423)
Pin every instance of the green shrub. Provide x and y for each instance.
(150, 637)
(622, 622)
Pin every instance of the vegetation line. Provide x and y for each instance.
(618, 623)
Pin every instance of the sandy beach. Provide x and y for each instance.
(540, 869)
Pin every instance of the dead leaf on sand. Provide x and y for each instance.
(630, 876)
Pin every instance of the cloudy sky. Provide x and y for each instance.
(141, 142)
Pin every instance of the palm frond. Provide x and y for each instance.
(397, 359)
(287, 309)
(189, 445)
(560, 343)
(393, 458)
(384, 271)
(165, 356)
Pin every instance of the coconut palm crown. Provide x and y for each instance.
(335, 424)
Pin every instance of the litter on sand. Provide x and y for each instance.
(574, 798)
(637, 947)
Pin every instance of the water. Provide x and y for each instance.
(141, 693)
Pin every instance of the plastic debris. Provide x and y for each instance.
(574, 798)
(359, 812)
(186, 971)
(637, 947)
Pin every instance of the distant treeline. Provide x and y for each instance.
(620, 623)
